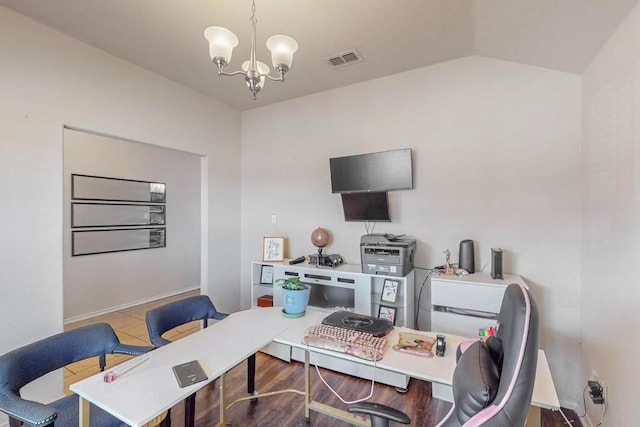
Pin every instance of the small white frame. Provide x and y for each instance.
(273, 249)
(386, 312)
(390, 291)
(266, 275)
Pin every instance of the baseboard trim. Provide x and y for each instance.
(569, 405)
(127, 305)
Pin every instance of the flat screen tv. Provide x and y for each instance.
(382, 171)
(365, 206)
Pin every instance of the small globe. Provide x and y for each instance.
(320, 237)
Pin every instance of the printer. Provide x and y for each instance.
(386, 254)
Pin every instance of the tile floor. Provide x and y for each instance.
(131, 328)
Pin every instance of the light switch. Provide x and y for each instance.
(274, 219)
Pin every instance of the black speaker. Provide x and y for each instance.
(466, 258)
(496, 263)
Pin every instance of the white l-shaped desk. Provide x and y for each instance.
(227, 343)
(142, 394)
(437, 370)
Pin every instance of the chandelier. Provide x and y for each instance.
(222, 42)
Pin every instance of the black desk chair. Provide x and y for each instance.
(493, 381)
(26, 364)
(169, 316)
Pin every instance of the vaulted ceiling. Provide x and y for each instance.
(392, 36)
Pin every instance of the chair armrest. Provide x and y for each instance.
(380, 411)
(159, 342)
(220, 316)
(132, 350)
(26, 410)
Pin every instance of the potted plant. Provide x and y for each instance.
(295, 295)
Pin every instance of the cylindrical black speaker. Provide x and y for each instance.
(496, 263)
(466, 258)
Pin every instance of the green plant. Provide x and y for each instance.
(291, 283)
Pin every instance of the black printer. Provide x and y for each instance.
(387, 254)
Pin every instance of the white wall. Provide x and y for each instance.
(49, 80)
(496, 151)
(95, 283)
(611, 280)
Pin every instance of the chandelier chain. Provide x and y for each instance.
(253, 18)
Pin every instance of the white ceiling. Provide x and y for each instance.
(166, 36)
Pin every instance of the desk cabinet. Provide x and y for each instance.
(461, 305)
(342, 288)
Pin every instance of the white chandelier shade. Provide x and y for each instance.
(221, 43)
(282, 49)
(263, 70)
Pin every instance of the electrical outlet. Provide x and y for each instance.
(596, 392)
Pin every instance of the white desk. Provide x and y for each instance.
(150, 389)
(438, 370)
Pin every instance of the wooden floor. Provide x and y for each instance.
(285, 410)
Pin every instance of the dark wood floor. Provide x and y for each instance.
(287, 410)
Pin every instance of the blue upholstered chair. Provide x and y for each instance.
(169, 316)
(493, 381)
(164, 318)
(26, 364)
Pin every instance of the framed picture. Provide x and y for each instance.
(386, 312)
(390, 290)
(273, 249)
(88, 187)
(91, 242)
(266, 275)
(115, 215)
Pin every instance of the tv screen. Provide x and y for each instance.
(382, 171)
(365, 206)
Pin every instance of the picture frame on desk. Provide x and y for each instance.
(273, 249)
(388, 313)
(390, 291)
(266, 275)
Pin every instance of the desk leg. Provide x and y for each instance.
(83, 412)
(307, 386)
(190, 411)
(223, 403)
(251, 374)
(309, 404)
(534, 418)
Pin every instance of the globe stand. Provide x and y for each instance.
(319, 259)
(320, 238)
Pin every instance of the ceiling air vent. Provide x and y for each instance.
(344, 58)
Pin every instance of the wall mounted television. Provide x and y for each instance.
(372, 206)
(382, 171)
